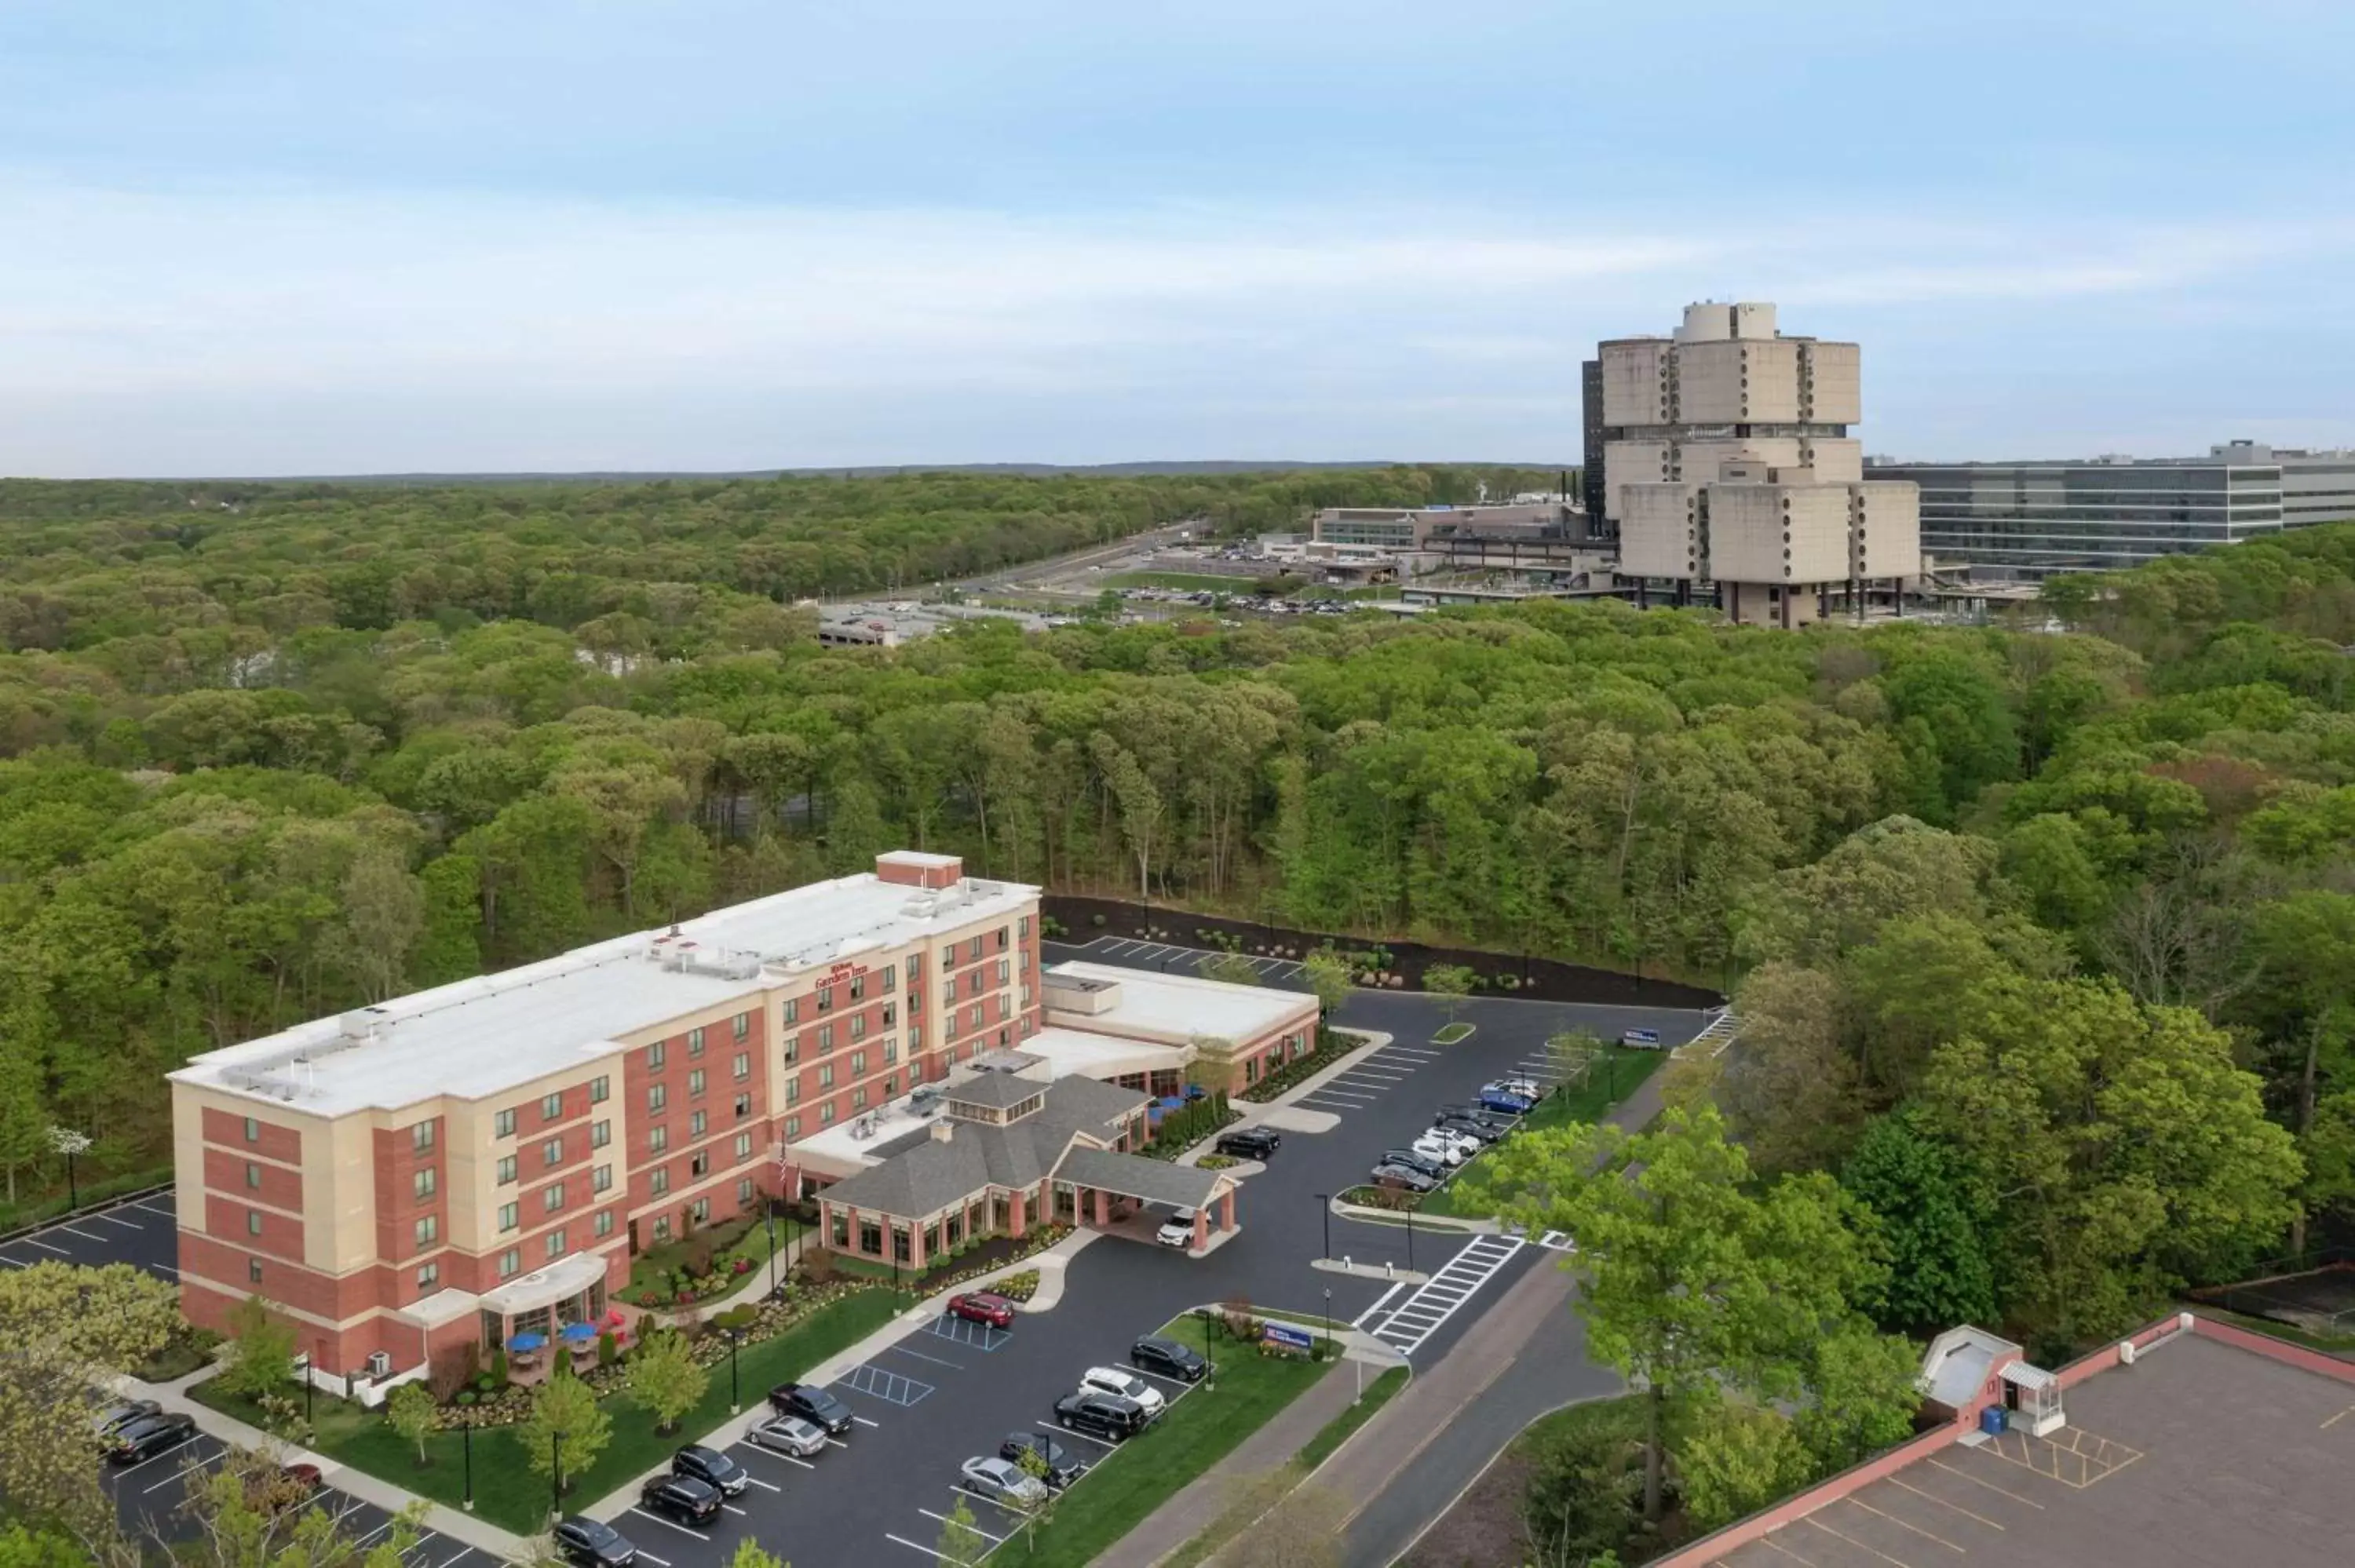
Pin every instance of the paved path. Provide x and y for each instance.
(1203, 1499)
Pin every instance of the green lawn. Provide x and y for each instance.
(507, 1491)
(1453, 1033)
(1619, 1073)
(1239, 1515)
(1185, 582)
(1144, 1473)
(1338, 1430)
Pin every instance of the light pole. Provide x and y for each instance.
(1328, 1314)
(1410, 1238)
(467, 1432)
(68, 1142)
(772, 1251)
(735, 1399)
(1325, 1202)
(555, 1475)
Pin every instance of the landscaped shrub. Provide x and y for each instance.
(609, 1349)
(498, 1366)
(1018, 1287)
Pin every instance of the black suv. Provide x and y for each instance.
(1470, 1126)
(1062, 1469)
(149, 1435)
(1473, 1111)
(711, 1467)
(683, 1498)
(1414, 1162)
(1250, 1142)
(1105, 1415)
(593, 1544)
(810, 1402)
(1169, 1358)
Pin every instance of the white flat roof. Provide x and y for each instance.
(483, 1036)
(1177, 1007)
(1069, 1051)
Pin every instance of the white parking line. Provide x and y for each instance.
(1344, 1094)
(1086, 1438)
(167, 1268)
(864, 1422)
(922, 1357)
(1433, 1302)
(462, 1554)
(169, 1214)
(180, 1475)
(126, 1225)
(925, 1549)
(764, 1486)
(47, 1248)
(133, 1469)
(86, 1235)
(1162, 1377)
(1359, 1321)
(418, 1545)
(769, 1452)
(1392, 1074)
(993, 1540)
(1423, 1052)
(738, 1512)
(668, 1524)
(658, 1561)
(14, 1262)
(372, 1534)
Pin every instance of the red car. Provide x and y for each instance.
(983, 1308)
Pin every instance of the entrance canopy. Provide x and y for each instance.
(546, 1286)
(1147, 1180)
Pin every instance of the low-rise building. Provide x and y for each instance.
(2317, 486)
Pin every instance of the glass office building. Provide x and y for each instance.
(2026, 519)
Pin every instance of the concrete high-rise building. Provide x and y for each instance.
(1727, 465)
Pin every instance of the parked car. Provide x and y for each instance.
(1177, 1230)
(1480, 1132)
(114, 1417)
(791, 1435)
(1105, 1415)
(1062, 1468)
(683, 1498)
(1429, 1165)
(1471, 1143)
(1510, 1105)
(1127, 1384)
(1439, 1150)
(1171, 1358)
(980, 1307)
(711, 1467)
(592, 1544)
(1003, 1480)
(150, 1436)
(1516, 1083)
(1474, 1111)
(1407, 1176)
(1251, 1142)
(287, 1487)
(810, 1402)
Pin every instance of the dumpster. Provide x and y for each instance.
(1991, 1421)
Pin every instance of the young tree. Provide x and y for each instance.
(1693, 1282)
(1451, 983)
(665, 1378)
(568, 1426)
(261, 1360)
(1041, 1513)
(1327, 973)
(410, 1409)
(246, 1517)
(961, 1545)
(1572, 1055)
(750, 1554)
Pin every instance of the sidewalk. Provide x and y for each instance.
(1201, 1500)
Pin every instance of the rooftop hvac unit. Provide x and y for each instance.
(380, 1364)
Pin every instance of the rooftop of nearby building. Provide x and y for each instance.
(925, 1168)
(2202, 1451)
(496, 1033)
(1178, 1007)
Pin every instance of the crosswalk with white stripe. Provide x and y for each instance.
(1405, 1327)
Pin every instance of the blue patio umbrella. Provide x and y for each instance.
(523, 1343)
(579, 1334)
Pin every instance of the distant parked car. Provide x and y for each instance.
(114, 1417)
(1497, 1123)
(791, 1435)
(710, 1466)
(1003, 1480)
(1516, 1084)
(812, 1402)
(980, 1307)
(1439, 1150)
(1105, 1416)
(1251, 1142)
(1465, 1126)
(1127, 1384)
(1168, 1357)
(1061, 1467)
(592, 1544)
(1509, 1104)
(1429, 1165)
(150, 1436)
(1390, 1173)
(683, 1498)
(1177, 1230)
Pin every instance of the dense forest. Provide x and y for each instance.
(272, 750)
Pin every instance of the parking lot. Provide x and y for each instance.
(142, 1231)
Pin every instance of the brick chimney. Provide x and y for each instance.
(943, 1130)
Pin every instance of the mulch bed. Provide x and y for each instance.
(1485, 1526)
(1545, 979)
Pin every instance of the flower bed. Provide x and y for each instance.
(1002, 1250)
(1217, 1162)
(1332, 1044)
(1392, 1198)
(1018, 1287)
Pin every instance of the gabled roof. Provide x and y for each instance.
(930, 1174)
(1134, 1176)
(1959, 1361)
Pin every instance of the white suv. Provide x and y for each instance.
(1128, 1385)
(1442, 1151)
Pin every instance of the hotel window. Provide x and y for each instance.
(915, 1003)
(598, 1089)
(551, 1152)
(826, 1075)
(427, 1229)
(793, 1010)
(551, 1106)
(793, 1048)
(743, 1145)
(972, 950)
(891, 1054)
(662, 1228)
(695, 1083)
(509, 1261)
(696, 1125)
(422, 1185)
(1002, 943)
(793, 1127)
(890, 1015)
(859, 1026)
(794, 1090)
(973, 1019)
(1025, 993)
(657, 1139)
(698, 1165)
(604, 1225)
(552, 1200)
(695, 1041)
(510, 1216)
(503, 1124)
(700, 1211)
(600, 1133)
(825, 1038)
(659, 1182)
(601, 1180)
(858, 1098)
(858, 988)
(1023, 962)
(506, 1169)
(826, 1114)
(556, 1244)
(743, 1065)
(745, 1192)
(744, 1106)
(656, 1055)
(948, 988)
(252, 1174)
(253, 1270)
(252, 1130)
(253, 1222)
(1005, 971)
(890, 1085)
(429, 1277)
(421, 1137)
(858, 1064)
(948, 958)
(915, 1038)
(890, 977)
(658, 1098)
(743, 1025)
(1025, 926)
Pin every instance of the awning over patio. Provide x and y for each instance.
(1148, 1181)
(558, 1281)
(1069, 1051)
(442, 1307)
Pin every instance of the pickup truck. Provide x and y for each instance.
(810, 1402)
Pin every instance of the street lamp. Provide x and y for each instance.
(1325, 1202)
(468, 1438)
(68, 1142)
(1328, 1314)
(735, 1400)
(772, 1250)
(1408, 1213)
(555, 1475)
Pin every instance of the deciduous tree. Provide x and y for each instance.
(664, 1377)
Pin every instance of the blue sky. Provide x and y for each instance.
(240, 236)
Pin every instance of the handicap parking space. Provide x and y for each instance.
(142, 1232)
(878, 1382)
(969, 1335)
